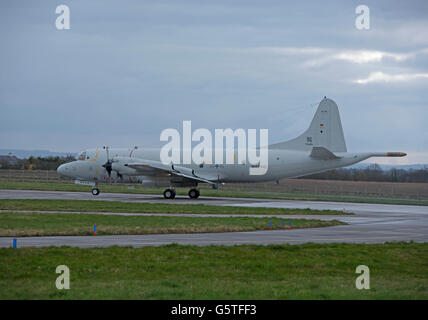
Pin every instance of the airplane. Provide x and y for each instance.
(320, 148)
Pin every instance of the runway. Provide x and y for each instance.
(371, 223)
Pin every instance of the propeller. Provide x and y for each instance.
(108, 164)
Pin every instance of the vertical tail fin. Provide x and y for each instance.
(325, 131)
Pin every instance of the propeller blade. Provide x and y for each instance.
(108, 165)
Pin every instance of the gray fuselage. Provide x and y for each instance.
(281, 164)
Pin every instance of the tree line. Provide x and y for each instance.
(34, 163)
(373, 173)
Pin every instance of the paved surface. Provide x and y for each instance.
(372, 223)
(206, 215)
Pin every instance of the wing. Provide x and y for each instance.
(157, 168)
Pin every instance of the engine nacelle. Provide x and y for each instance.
(119, 163)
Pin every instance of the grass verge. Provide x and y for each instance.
(138, 207)
(36, 224)
(310, 271)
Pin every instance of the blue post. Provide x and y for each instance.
(270, 225)
(283, 224)
(14, 243)
(289, 225)
(95, 229)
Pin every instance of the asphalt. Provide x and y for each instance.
(371, 223)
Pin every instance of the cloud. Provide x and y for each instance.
(291, 50)
(323, 56)
(384, 77)
(362, 56)
(366, 56)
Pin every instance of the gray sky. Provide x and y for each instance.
(126, 70)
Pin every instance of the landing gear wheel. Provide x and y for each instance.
(193, 193)
(95, 191)
(169, 194)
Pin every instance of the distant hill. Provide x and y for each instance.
(22, 154)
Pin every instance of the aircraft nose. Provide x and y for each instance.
(63, 169)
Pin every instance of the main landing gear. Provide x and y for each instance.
(170, 194)
(95, 191)
(193, 193)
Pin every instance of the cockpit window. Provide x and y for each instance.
(82, 156)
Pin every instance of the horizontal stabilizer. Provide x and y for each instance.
(321, 153)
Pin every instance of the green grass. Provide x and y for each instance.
(36, 224)
(310, 271)
(138, 207)
(205, 191)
